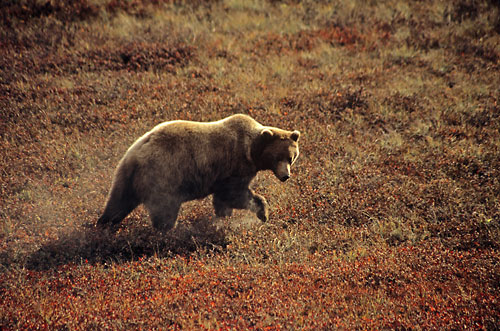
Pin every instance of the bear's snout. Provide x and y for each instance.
(283, 171)
(285, 178)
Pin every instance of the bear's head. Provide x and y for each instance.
(276, 150)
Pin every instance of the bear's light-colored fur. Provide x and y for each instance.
(179, 161)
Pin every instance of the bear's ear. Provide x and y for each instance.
(295, 135)
(266, 133)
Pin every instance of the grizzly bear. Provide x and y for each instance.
(179, 161)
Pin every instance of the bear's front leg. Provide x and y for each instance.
(221, 208)
(258, 205)
(243, 198)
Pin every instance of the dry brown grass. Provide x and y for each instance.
(391, 220)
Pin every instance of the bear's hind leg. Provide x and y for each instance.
(117, 208)
(163, 213)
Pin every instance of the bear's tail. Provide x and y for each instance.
(122, 198)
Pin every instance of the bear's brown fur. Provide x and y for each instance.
(180, 161)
